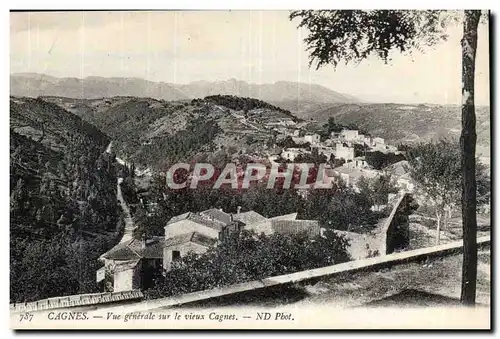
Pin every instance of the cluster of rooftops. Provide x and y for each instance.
(206, 224)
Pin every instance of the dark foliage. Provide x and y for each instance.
(379, 160)
(63, 210)
(352, 35)
(288, 142)
(244, 104)
(335, 127)
(167, 150)
(246, 257)
(334, 208)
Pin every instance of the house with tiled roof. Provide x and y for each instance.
(129, 262)
(192, 222)
(249, 217)
(134, 263)
(180, 245)
(217, 215)
(196, 232)
(285, 224)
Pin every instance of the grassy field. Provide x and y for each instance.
(416, 284)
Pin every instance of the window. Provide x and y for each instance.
(176, 255)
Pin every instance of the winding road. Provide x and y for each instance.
(129, 223)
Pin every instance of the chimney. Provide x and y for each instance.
(238, 210)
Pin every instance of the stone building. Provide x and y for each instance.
(343, 152)
(349, 135)
(178, 246)
(132, 263)
(312, 138)
(291, 153)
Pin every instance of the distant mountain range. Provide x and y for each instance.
(34, 85)
(313, 103)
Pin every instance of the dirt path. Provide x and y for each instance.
(129, 223)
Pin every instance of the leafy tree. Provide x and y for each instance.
(288, 142)
(332, 126)
(377, 189)
(351, 36)
(360, 150)
(379, 160)
(247, 256)
(314, 157)
(340, 208)
(436, 168)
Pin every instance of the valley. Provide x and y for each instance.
(67, 155)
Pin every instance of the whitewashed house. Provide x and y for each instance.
(358, 162)
(351, 176)
(312, 138)
(349, 134)
(342, 152)
(291, 153)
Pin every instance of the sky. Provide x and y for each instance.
(253, 46)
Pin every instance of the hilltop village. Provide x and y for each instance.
(197, 231)
(349, 149)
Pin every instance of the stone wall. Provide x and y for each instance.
(77, 301)
(127, 279)
(184, 249)
(395, 233)
(391, 235)
(370, 264)
(361, 246)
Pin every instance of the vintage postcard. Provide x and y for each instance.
(310, 169)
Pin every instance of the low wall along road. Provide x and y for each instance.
(371, 264)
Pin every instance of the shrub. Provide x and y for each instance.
(246, 257)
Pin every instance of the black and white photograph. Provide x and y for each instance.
(250, 169)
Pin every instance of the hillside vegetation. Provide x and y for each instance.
(246, 104)
(157, 133)
(63, 210)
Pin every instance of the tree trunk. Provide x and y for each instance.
(438, 228)
(468, 148)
